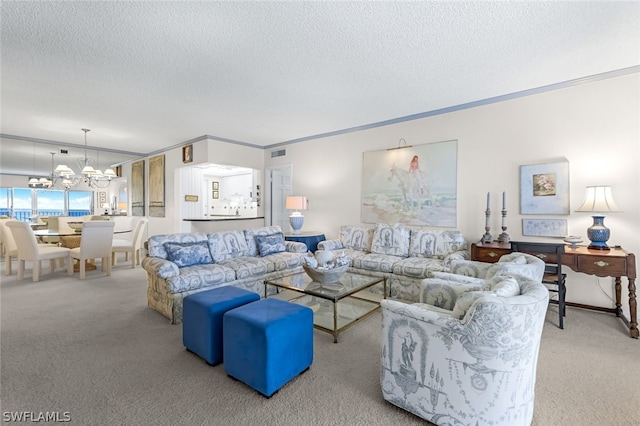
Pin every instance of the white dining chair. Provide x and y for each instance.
(10, 248)
(132, 246)
(29, 249)
(95, 242)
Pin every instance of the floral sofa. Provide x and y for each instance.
(181, 264)
(403, 255)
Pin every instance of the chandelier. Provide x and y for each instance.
(91, 177)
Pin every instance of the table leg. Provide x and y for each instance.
(633, 324)
(618, 289)
(335, 322)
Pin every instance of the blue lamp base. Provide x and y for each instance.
(598, 234)
(296, 221)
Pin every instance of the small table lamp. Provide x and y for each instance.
(296, 202)
(598, 199)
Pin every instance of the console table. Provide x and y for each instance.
(616, 263)
(310, 238)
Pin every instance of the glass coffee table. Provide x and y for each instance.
(336, 307)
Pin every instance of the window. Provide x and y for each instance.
(24, 203)
(80, 202)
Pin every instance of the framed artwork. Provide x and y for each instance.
(544, 188)
(137, 188)
(414, 185)
(544, 227)
(215, 195)
(187, 154)
(156, 186)
(103, 197)
(191, 198)
(215, 186)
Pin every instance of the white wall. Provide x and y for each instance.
(595, 126)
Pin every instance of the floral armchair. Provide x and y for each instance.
(469, 361)
(475, 272)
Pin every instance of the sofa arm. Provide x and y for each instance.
(393, 310)
(295, 247)
(455, 256)
(330, 245)
(160, 267)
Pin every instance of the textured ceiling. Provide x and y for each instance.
(147, 75)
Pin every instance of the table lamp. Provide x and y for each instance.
(598, 199)
(296, 219)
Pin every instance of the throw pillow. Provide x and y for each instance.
(356, 237)
(518, 260)
(270, 244)
(464, 302)
(392, 239)
(503, 286)
(188, 254)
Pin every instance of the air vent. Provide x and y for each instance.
(280, 153)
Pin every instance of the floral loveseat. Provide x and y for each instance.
(403, 255)
(181, 264)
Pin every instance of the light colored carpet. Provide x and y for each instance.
(92, 348)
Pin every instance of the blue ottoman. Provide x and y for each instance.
(202, 315)
(267, 343)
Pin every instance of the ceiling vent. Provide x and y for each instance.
(64, 151)
(280, 153)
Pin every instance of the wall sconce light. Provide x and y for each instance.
(598, 199)
(296, 219)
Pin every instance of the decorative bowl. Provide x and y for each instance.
(573, 240)
(77, 226)
(326, 276)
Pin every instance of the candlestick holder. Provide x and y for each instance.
(487, 238)
(504, 237)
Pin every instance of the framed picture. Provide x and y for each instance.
(544, 188)
(544, 227)
(103, 197)
(215, 195)
(191, 198)
(215, 186)
(414, 185)
(187, 154)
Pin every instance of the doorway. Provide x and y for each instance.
(277, 187)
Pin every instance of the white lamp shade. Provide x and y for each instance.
(598, 199)
(296, 202)
(110, 173)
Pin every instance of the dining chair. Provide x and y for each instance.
(95, 242)
(29, 249)
(10, 248)
(132, 246)
(551, 254)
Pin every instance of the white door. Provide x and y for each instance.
(279, 186)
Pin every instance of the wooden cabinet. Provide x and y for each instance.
(489, 252)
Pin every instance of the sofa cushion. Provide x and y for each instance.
(250, 237)
(356, 237)
(392, 239)
(417, 267)
(285, 260)
(248, 266)
(227, 245)
(270, 244)
(375, 262)
(464, 302)
(435, 243)
(200, 276)
(188, 254)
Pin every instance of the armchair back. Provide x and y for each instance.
(481, 369)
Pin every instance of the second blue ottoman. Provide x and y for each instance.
(267, 343)
(202, 315)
